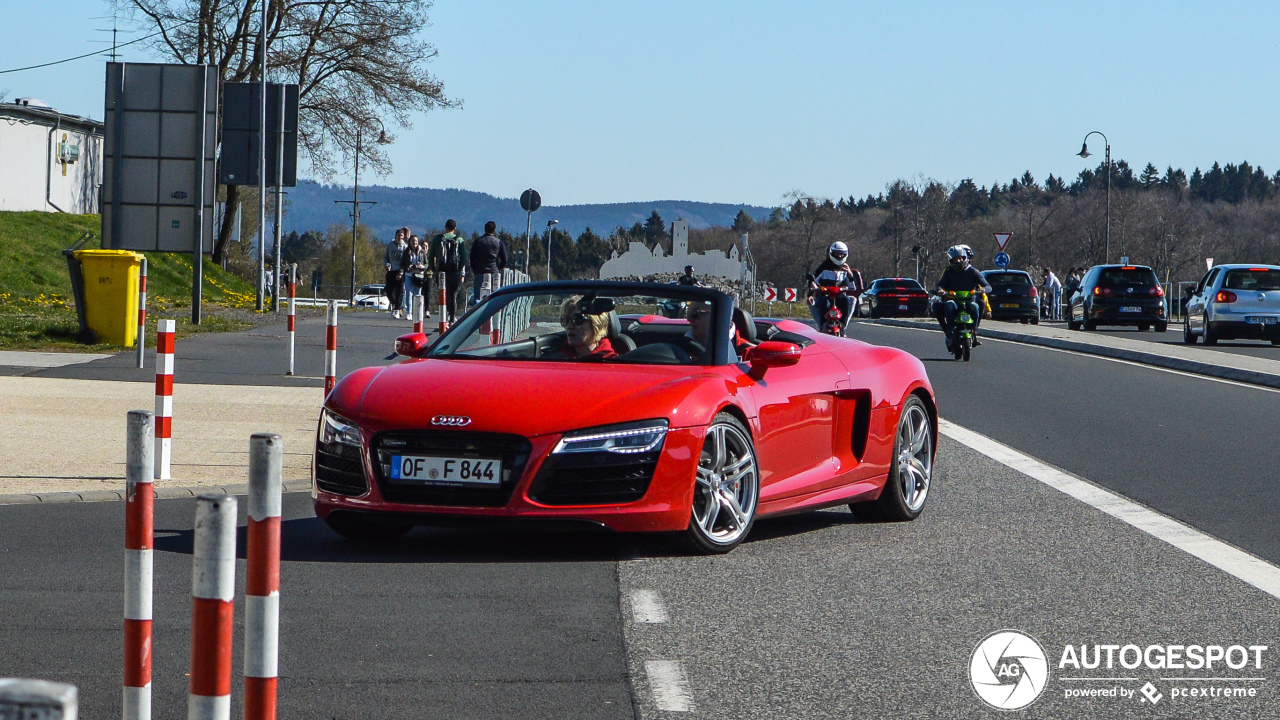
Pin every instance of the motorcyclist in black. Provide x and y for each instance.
(960, 276)
(835, 270)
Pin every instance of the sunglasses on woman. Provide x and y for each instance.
(575, 320)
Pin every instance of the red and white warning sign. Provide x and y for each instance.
(789, 295)
(770, 294)
(1002, 239)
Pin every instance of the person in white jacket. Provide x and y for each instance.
(1051, 294)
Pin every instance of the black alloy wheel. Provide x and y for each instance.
(1188, 337)
(910, 471)
(1210, 337)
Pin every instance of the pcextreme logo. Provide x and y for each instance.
(1008, 670)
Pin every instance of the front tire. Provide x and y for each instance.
(726, 489)
(965, 349)
(1188, 337)
(907, 487)
(1210, 337)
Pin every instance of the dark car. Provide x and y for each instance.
(1013, 296)
(1119, 295)
(888, 297)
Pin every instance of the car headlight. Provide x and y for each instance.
(338, 435)
(625, 439)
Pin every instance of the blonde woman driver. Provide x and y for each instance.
(585, 334)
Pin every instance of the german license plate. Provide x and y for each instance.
(1260, 319)
(421, 468)
(902, 307)
(1130, 309)
(1008, 305)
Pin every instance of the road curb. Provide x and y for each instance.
(1194, 367)
(160, 493)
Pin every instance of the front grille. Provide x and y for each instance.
(340, 475)
(512, 449)
(593, 478)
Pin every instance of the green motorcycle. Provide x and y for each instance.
(961, 342)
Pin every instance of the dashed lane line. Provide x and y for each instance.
(1230, 559)
(647, 608)
(669, 687)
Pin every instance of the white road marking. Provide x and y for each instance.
(1229, 559)
(1122, 361)
(668, 685)
(646, 607)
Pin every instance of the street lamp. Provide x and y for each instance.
(550, 224)
(1084, 153)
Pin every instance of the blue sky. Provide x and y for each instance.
(744, 101)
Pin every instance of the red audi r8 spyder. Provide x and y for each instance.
(580, 401)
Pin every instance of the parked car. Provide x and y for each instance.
(888, 297)
(1013, 296)
(1119, 295)
(1234, 301)
(651, 431)
(373, 296)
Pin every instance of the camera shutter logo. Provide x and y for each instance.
(1008, 670)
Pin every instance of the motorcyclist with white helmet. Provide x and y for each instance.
(960, 276)
(835, 270)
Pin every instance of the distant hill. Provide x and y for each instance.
(311, 207)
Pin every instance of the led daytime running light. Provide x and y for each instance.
(567, 444)
(339, 431)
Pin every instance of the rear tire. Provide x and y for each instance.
(1024, 321)
(1210, 337)
(1275, 341)
(361, 528)
(1162, 327)
(726, 489)
(1144, 328)
(911, 472)
(1073, 325)
(1035, 321)
(1090, 325)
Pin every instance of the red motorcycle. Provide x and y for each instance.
(833, 320)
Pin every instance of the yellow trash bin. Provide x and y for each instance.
(111, 294)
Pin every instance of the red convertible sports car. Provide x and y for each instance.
(580, 401)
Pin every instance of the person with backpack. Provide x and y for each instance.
(394, 279)
(448, 257)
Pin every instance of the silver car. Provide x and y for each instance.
(1235, 301)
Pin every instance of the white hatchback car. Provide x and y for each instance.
(373, 296)
(1234, 301)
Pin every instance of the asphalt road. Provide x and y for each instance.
(816, 616)
(259, 356)
(1173, 336)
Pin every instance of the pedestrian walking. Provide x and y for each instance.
(447, 256)
(1051, 290)
(488, 259)
(413, 263)
(394, 279)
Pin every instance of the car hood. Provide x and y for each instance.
(522, 397)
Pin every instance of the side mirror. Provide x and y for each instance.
(411, 345)
(771, 354)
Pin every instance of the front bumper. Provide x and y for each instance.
(664, 506)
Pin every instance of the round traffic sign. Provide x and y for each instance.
(1002, 260)
(530, 200)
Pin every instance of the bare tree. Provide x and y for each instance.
(357, 63)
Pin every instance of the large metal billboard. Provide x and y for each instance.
(152, 178)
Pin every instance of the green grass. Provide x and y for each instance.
(36, 307)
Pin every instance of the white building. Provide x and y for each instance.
(48, 161)
(640, 261)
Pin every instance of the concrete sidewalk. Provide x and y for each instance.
(65, 435)
(1186, 358)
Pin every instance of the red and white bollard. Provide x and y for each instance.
(142, 313)
(213, 589)
(138, 544)
(291, 322)
(164, 399)
(419, 308)
(444, 304)
(331, 349)
(262, 579)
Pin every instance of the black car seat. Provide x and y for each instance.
(746, 325)
(620, 342)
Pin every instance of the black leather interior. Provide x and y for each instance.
(746, 325)
(621, 343)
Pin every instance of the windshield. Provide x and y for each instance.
(1127, 276)
(1252, 279)
(1008, 280)
(668, 327)
(370, 290)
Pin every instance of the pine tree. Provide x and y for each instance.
(654, 229)
(743, 222)
(1150, 177)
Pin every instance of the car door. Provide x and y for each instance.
(1199, 300)
(796, 412)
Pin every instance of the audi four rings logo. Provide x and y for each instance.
(451, 420)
